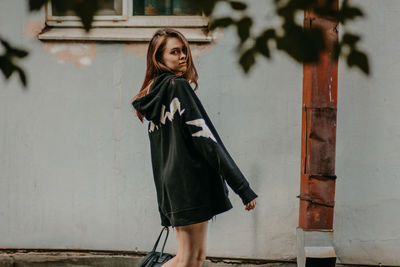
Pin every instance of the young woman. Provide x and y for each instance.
(190, 163)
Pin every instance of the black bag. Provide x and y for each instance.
(154, 258)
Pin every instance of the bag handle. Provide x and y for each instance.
(158, 239)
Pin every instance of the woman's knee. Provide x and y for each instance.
(192, 244)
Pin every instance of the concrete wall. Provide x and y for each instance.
(367, 221)
(75, 162)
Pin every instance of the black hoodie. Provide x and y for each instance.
(190, 162)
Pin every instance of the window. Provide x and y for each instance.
(111, 10)
(128, 20)
(163, 7)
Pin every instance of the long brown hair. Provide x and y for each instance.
(155, 66)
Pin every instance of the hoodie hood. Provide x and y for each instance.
(150, 105)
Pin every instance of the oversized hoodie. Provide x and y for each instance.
(190, 163)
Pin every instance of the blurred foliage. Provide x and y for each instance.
(85, 9)
(302, 44)
(7, 61)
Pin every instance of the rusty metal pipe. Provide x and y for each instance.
(318, 141)
(318, 144)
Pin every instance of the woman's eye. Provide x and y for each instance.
(174, 52)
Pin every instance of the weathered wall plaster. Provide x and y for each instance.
(33, 28)
(80, 53)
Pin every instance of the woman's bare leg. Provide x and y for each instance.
(191, 241)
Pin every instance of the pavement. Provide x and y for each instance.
(25, 257)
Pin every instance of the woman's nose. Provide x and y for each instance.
(183, 55)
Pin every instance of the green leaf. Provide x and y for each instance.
(5, 44)
(18, 52)
(352, 13)
(247, 59)
(207, 6)
(221, 22)
(347, 12)
(243, 28)
(358, 59)
(238, 5)
(22, 76)
(36, 4)
(6, 66)
(262, 47)
(303, 45)
(6, 61)
(262, 42)
(13, 51)
(350, 39)
(327, 8)
(86, 10)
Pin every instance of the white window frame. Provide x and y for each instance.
(126, 27)
(54, 20)
(128, 20)
(137, 21)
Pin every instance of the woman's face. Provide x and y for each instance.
(174, 55)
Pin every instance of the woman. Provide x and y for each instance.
(190, 163)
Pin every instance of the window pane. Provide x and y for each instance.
(109, 7)
(138, 7)
(183, 7)
(163, 7)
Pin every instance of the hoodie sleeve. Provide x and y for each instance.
(206, 141)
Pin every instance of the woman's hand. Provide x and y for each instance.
(251, 205)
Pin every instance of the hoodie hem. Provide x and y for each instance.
(191, 216)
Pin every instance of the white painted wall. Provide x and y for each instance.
(75, 162)
(367, 222)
